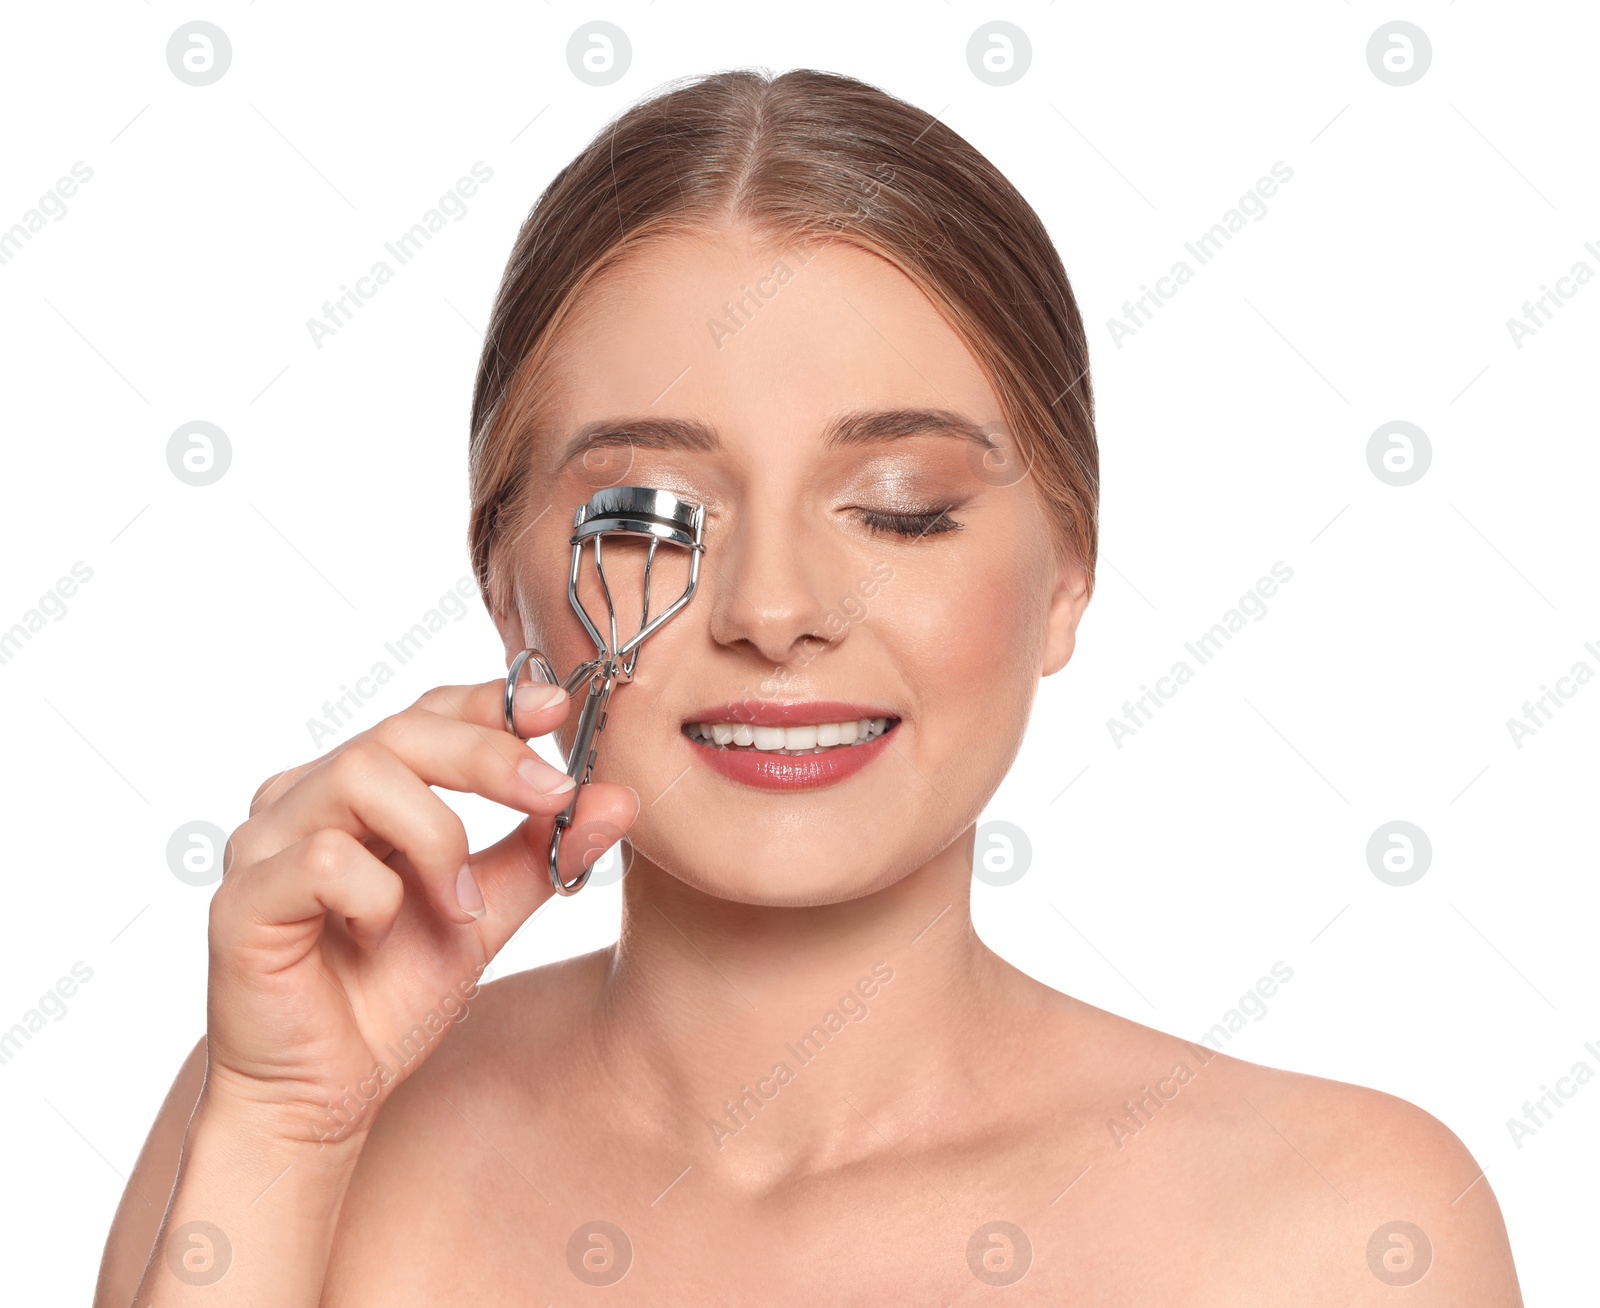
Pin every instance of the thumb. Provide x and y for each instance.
(514, 872)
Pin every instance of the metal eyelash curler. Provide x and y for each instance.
(640, 511)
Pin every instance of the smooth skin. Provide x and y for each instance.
(638, 1085)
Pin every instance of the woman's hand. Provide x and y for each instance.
(350, 927)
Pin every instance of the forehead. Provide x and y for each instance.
(762, 342)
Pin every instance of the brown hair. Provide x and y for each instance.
(799, 157)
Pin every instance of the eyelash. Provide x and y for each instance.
(935, 522)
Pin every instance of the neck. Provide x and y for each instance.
(775, 1040)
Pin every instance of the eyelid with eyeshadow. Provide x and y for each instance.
(912, 522)
(915, 524)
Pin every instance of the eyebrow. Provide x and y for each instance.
(856, 428)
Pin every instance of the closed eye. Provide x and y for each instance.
(934, 522)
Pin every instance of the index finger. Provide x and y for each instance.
(483, 704)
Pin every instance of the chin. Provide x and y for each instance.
(775, 877)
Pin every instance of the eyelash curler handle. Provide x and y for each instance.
(585, 746)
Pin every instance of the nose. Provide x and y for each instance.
(769, 580)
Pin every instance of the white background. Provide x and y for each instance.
(1228, 834)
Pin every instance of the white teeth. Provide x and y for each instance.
(791, 740)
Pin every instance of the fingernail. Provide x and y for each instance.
(537, 696)
(467, 893)
(638, 804)
(544, 778)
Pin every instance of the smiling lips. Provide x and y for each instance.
(789, 746)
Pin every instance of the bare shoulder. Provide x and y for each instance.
(1283, 1184)
(1415, 1207)
(1347, 1187)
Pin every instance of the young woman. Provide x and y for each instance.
(799, 1077)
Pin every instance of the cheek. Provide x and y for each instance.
(548, 623)
(968, 632)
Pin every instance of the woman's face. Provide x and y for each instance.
(865, 559)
